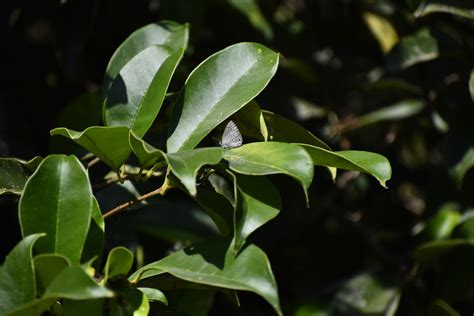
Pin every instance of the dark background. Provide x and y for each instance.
(53, 52)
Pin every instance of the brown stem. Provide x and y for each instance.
(93, 162)
(127, 204)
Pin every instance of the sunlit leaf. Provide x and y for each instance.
(463, 8)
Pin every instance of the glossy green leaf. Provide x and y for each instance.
(413, 49)
(217, 88)
(441, 225)
(110, 144)
(74, 283)
(94, 244)
(281, 129)
(253, 13)
(138, 91)
(400, 110)
(47, 267)
(428, 252)
(154, 295)
(374, 164)
(13, 176)
(255, 206)
(186, 164)
(57, 200)
(166, 33)
(119, 262)
(17, 277)
(441, 308)
(266, 158)
(463, 166)
(463, 8)
(213, 263)
(147, 154)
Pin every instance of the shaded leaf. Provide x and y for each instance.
(462, 167)
(250, 121)
(397, 111)
(13, 176)
(441, 308)
(110, 144)
(374, 164)
(186, 164)
(166, 33)
(154, 295)
(253, 13)
(463, 8)
(218, 208)
(130, 301)
(217, 88)
(413, 49)
(47, 267)
(57, 200)
(94, 244)
(266, 158)
(17, 277)
(428, 252)
(119, 262)
(137, 93)
(73, 283)
(83, 307)
(147, 154)
(471, 85)
(213, 263)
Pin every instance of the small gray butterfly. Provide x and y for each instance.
(231, 137)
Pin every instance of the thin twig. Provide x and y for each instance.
(127, 204)
(99, 186)
(93, 162)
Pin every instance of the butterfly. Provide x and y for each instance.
(231, 137)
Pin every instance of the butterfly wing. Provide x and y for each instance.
(231, 137)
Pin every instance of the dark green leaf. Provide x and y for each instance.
(253, 13)
(441, 308)
(258, 202)
(110, 144)
(464, 8)
(47, 267)
(186, 164)
(13, 176)
(217, 88)
(428, 252)
(94, 244)
(400, 110)
(137, 93)
(147, 154)
(218, 208)
(166, 33)
(17, 277)
(83, 307)
(130, 301)
(250, 121)
(266, 158)
(281, 129)
(413, 49)
(73, 283)
(213, 263)
(154, 295)
(57, 200)
(119, 262)
(462, 167)
(465, 228)
(374, 164)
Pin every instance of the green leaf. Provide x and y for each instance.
(284, 130)
(57, 200)
(74, 283)
(462, 167)
(217, 88)
(186, 164)
(47, 267)
(147, 154)
(428, 252)
(272, 158)
(374, 164)
(218, 208)
(463, 8)
(110, 144)
(154, 295)
(471, 84)
(119, 262)
(382, 30)
(137, 93)
(413, 49)
(465, 228)
(166, 33)
(253, 13)
(17, 277)
(130, 301)
(258, 202)
(213, 263)
(441, 308)
(13, 176)
(397, 111)
(442, 224)
(94, 244)
(250, 121)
